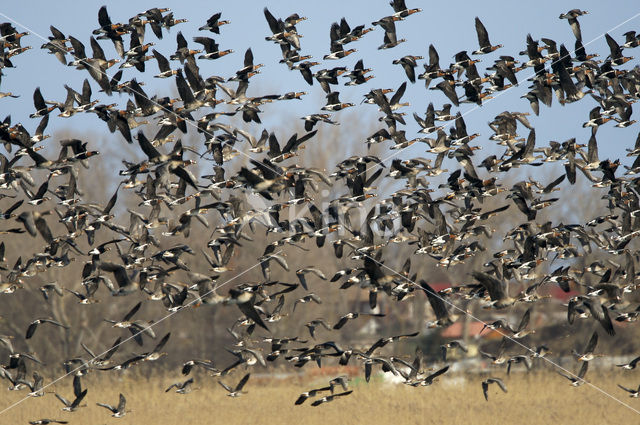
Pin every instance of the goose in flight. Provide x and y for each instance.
(311, 393)
(329, 398)
(483, 40)
(117, 411)
(443, 317)
(302, 272)
(587, 354)
(500, 357)
(312, 325)
(344, 319)
(181, 387)
(432, 378)
(521, 331)
(452, 345)
(631, 365)
(578, 380)
(237, 391)
(497, 290)
(632, 393)
(572, 17)
(487, 382)
(77, 392)
(306, 299)
(34, 325)
(206, 364)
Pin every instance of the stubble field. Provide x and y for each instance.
(540, 397)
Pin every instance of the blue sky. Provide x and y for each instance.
(449, 26)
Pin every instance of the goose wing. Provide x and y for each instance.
(108, 406)
(121, 403)
(63, 400)
(601, 314)
(78, 399)
(591, 345)
(583, 370)
(495, 287)
(629, 390)
(162, 343)
(242, 382)
(483, 35)
(436, 301)
(225, 386)
(131, 312)
(525, 320)
(434, 375)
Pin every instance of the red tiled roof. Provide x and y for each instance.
(455, 330)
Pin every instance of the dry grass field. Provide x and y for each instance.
(542, 397)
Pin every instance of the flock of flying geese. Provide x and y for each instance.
(446, 223)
